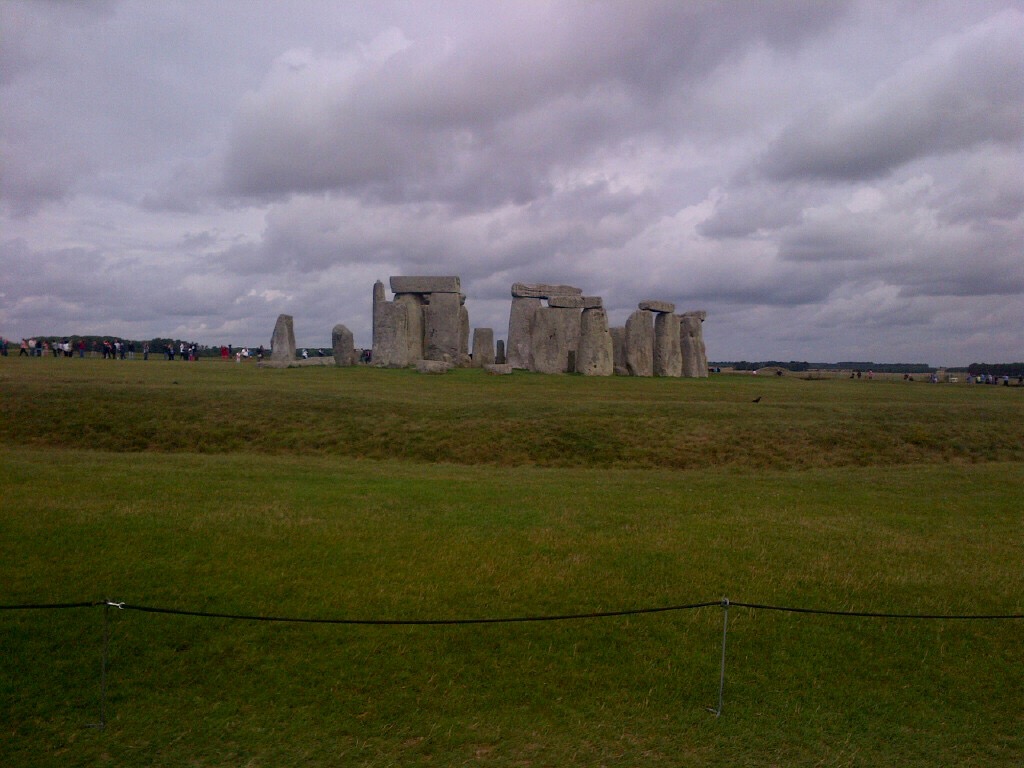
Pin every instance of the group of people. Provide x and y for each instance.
(34, 348)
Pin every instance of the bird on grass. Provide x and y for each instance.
(756, 399)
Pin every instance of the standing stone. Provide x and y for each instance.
(441, 326)
(619, 351)
(463, 328)
(414, 304)
(595, 356)
(483, 347)
(668, 356)
(391, 337)
(499, 354)
(639, 344)
(379, 299)
(555, 338)
(691, 341)
(282, 343)
(344, 346)
(520, 329)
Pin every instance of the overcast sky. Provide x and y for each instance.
(829, 180)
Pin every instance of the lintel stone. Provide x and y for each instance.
(543, 290)
(657, 306)
(419, 284)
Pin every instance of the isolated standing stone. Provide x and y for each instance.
(691, 341)
(344, 346)
(483, 346)
(594, 357)
(379, 299)
(282, 343)
(391, 337)
(639, 343)
(668, 357)
(463, 329)
(499, 353)
(441, 326)
(520, 328)
(554, 340)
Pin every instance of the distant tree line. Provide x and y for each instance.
(995, 369)
(800, 366)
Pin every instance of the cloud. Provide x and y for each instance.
(967, 90)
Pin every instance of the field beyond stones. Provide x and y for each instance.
(371, 494)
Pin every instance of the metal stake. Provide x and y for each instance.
(721, 679)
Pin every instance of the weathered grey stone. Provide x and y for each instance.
(282, 343)
(657, 306)
(499, 369)
(483, 346)
(344, 346)
(441, 328)
(555, 336)
(592, 302)
(566, 302)
(618, 335)
(520, 328)
(543, 290)
(668, 358)
(595, 356)
(691, 342)
(639, 343)
(414, 305)
(432, 366)
(402, 284)
(391, 336)
(499, 352)
(379, 298)
(463, 330)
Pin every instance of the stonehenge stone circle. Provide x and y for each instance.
(344, 346)
(282, 343)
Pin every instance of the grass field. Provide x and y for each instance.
(368, 494)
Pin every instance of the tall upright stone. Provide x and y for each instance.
(668, 357)
(520, 329)
(379, 299)
(282, 343)
(639, 343)
(595, 355)
(691, 341)
(414, 305)
(483, 347)
(463, 327)
(618, 334)
(499, 353)
(554, 340)
(391, 336)
(441, 328)
(344, 346)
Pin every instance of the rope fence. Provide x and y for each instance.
(724, 603)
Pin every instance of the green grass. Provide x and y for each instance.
(271, 492)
